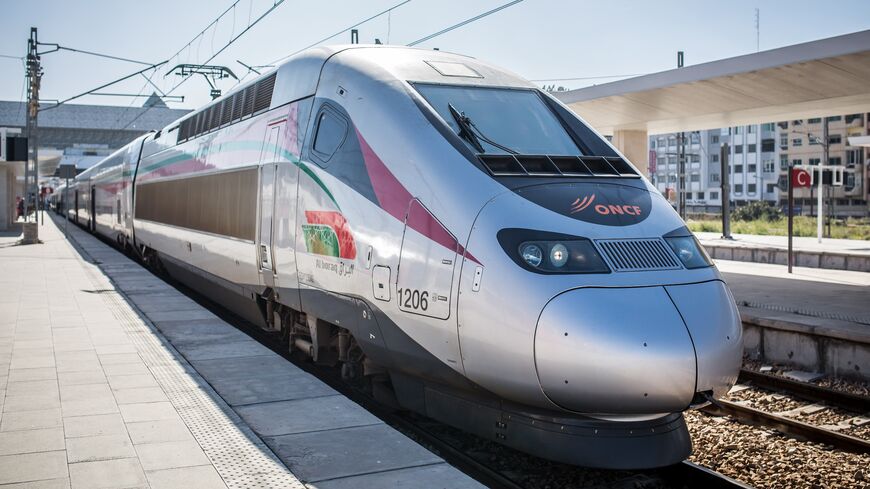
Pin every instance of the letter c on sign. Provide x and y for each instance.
(802, 178)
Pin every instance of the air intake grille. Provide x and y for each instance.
(634, 255)
(557, 166)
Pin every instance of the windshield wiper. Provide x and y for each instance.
(465, 130)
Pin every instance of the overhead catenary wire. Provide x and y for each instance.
(152, 67)
(271, 9)
(231, 41)
(149, 82)
(58, 47)
(148, 79)
(342, 31)
(464, 22)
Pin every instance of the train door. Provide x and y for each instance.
(424, 282)
(425, 276)
(77, 206)
(268, 170)
(284, 234)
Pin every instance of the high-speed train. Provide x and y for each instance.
(445, 230)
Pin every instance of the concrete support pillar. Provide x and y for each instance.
(635, 146)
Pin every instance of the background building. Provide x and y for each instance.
(759, 157)
(800, 142)
(85, 134)
(81, 135)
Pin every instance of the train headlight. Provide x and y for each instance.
(532, 254)
(545, 252)
(689, 251)
(558, 255)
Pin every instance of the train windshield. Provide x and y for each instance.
(500, 120)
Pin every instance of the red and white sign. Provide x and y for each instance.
(800, 178)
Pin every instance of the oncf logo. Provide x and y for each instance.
(607, 204)
(581, 205)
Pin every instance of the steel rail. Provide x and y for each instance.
(690, 474)
(788, 426)
(807, 391)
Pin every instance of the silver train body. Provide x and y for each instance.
(439, 222)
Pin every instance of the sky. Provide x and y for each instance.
(580, 42)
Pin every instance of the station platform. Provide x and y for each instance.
(836, 299)
(111, 378)
(817, 319)
(836, 254)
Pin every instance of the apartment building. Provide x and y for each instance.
(801, 143)
(759, 156)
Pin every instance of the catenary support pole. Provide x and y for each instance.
(681, 176)
(726, 194)
(34, 75)
(820, 174)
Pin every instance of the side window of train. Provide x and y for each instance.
(329, 134)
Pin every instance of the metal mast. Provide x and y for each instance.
(34, 76)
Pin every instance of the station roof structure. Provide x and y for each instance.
(813, 79)
(82, 134)
(152, 116)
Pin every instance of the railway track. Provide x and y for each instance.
(794, 427)
(685, 475)
(806, 391)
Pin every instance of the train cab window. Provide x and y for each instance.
(500, 120)
(330, 133)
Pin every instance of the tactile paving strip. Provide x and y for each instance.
(807, 312)
(237, 453)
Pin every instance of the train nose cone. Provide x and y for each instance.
(711, 317)
(617, 350)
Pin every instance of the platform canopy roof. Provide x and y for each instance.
(814, 79)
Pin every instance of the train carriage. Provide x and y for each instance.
(441, 227)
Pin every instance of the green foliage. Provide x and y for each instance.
(804, 226)
(757, 210)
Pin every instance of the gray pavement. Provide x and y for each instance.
(111, 378)
(828, 245)
(836, 302)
